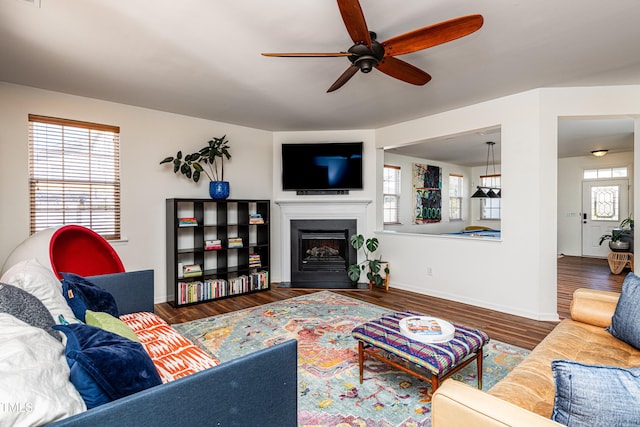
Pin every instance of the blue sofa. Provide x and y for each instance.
(256, 389)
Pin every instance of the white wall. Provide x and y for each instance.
(470, 207)
(570, 180)
(146, 137)
(372, 159)
(518, 274)
(407, 202)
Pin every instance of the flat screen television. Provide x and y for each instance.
(322, 166)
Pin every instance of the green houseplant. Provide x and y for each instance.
(627, 222)
(191, 165)
(614, 236)
(373, 266)
(616, 241)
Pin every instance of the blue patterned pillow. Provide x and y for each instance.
(82, 295)
(595, 395)
(105, 366)
(625, 324)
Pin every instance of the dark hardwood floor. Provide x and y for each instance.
(573, 273)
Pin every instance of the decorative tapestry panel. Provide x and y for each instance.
(427, 187)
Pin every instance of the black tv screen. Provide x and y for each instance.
(322, 166)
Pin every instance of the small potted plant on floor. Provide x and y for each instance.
(376, 269)
(190, 165)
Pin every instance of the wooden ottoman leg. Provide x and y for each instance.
(361, 358)
(479, 364)
(435, 383)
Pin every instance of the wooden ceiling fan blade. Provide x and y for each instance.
(432, 35)
(404, 71)
(353, 18)
(350, 72)
(307, 54)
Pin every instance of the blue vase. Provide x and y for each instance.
(219, 190)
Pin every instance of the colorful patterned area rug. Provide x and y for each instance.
(329, 390)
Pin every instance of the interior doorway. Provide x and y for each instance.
(604, 204)
(579, 170)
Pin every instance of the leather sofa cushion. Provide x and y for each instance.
(531, 384)
(593, 306)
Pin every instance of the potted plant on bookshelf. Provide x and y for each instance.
(191, 165)
(376, 269)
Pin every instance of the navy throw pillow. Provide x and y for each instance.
(105, 366)
(595, 395)
(82, 295)
(625, 323)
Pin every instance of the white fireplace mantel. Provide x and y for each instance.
(316, 209)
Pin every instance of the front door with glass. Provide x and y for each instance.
(605, 204)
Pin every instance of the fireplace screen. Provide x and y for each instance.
(320, 250)
(323, 251)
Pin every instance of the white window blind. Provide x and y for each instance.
(74, 175)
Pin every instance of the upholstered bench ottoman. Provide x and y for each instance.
(381, 338)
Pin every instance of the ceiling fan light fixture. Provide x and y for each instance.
(599, 153)
(366, 63)
(367, 53)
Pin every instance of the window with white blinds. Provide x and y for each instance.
(391, 190)
(456, 188)
(74, 175)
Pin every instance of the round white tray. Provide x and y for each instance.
(427, 329)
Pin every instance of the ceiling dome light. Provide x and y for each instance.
(599, 153)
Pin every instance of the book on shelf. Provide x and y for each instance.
(235, 242)
(211, 245)
(256, 218)
(195, 291)
(187, 222)
(259, 280)
(254, 261)
(191, 270)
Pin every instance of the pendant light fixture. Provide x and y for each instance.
(488, 192)
(479, 194)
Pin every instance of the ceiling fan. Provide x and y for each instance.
(368, 53)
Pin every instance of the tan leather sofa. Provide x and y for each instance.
(525, 396)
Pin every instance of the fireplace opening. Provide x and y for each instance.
(320, 251)
(323, 250)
